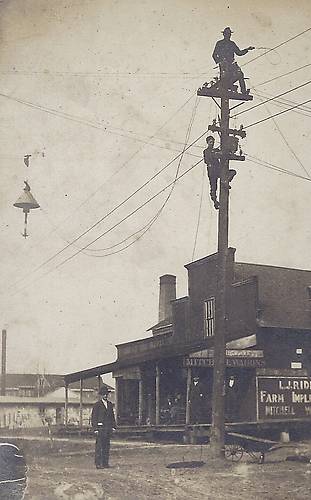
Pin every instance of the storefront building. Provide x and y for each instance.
(166, 379)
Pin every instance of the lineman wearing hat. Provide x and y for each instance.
(103, 423)
(224, 56)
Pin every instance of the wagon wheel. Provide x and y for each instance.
(234, 452)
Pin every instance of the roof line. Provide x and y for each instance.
(276, 267)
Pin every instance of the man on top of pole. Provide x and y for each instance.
(223, 55)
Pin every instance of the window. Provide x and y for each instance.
(209, 316)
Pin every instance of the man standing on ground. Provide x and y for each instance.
(103, 423)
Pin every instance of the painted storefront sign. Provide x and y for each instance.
(279, 397)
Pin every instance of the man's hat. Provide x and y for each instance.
(103, 390)
(209, 137)
(227, 29)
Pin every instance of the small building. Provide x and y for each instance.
(166, 379)
(34, 401)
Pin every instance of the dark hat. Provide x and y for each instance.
(227, 29)
(103, 390)
(209, 137)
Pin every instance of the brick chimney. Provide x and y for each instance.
(167, 294)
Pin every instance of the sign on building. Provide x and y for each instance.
(283, 397)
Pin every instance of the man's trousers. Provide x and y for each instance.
(102, 448)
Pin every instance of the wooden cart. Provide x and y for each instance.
(255, 447)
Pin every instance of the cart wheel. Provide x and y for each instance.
(234, 452)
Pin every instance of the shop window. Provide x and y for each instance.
(209, 316)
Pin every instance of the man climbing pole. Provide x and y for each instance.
(223, 55)
(212, 160)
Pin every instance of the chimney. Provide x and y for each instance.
(167, 294)
(3, 363)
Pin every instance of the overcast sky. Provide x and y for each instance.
(101, 94)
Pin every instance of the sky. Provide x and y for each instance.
(102, 94)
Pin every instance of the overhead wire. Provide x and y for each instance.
(301, 110)
(127, 161)
(277, 168)
(284, 74)
(277, 46)
(150, 223)
(276, 114)
(199, 216)
(112, 227)
(260, 121)
(101, 219)
(272, 98)
(286, 142)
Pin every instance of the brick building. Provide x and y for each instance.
(268, 353)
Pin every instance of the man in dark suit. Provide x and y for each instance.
(103, 423)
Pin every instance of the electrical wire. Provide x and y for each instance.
(281, 170)
(111, 228)
(277, 46)
(148, 226)
(272, 98)
(284, 74)
(286, 142)
(111, 211)
(276, 114)
(199, 216)
(286, 103)
(74, 118)
(127, 161)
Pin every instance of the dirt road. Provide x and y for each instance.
(138, 471)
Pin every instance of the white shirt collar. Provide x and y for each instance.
(105, 403)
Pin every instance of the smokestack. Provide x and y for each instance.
(3, 363)
(167, 294)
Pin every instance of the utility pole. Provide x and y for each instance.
(224, 90)
(219, 373)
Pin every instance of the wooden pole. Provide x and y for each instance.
(140, 401)
(116, 400)
(157, 395)
(66, 404)
(81, 402)
(189, 377)
(218, 415)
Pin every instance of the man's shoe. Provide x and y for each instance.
(232, 173)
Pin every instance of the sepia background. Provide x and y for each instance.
(102, 95)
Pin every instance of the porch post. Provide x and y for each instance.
(66, 404)
(189, 376)
(99, 382)
(116, 400)
(81, 401)
(157, 395)
(140, 401)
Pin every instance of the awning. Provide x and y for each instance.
(164, 352)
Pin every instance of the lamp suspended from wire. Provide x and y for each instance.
(27, 202)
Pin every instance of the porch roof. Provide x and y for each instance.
(163, 352)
